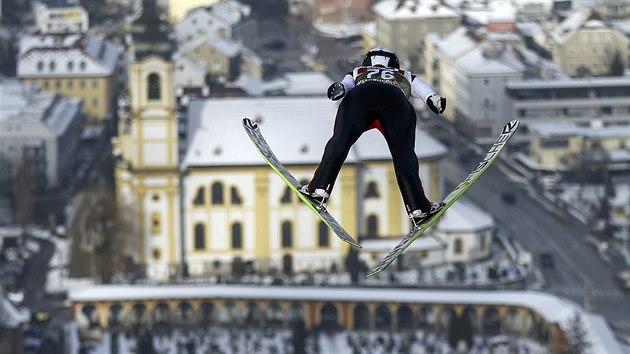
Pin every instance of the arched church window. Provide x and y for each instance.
(154, 86)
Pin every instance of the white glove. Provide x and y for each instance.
(436, 103)
(336, 91)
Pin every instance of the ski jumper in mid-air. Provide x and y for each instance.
(376, 95)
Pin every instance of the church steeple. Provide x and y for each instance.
(151, 34)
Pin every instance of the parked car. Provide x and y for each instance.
(546, 260)
(623, 279)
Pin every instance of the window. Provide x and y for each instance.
(82, 65)
(70, 83)
(200, 198)
(157, 254)
(52, 66)
(324, 235)
(286, 196)
(554, 143)
(95, 102)
(58, 84)
(235, 198)
(155, 197)
(46, 84)
(40, 66)
(156, 223)
(154, 87)
(287, 235)
(82, 83)
(200, 237)
(483, 244)
(372, 226)
(371, 191)
(457, 249)
(95, 83)
(237, 236)
(70, 66)
(217, 193)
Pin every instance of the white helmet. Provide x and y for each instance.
(381, 56)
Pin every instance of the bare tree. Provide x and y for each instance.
(100, 251)
(24, 188)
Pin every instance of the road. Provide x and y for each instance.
(579, 274)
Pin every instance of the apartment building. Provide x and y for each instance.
(60, 17)
(403, 25)
(578, 100)
(557, 146)
(585, 45)
(227, 20)
(43, 128)
(84, 66)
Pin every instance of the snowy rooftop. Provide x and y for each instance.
(296, 128)
(67, 55)
(227, 47)
(592, 82)
(565, 128)
(455, 43)
(311, 83)
(22, 103)
(495, 11)
(475, 62)
(464, 216)
(552, 308)
(582, 18)
(409, 9)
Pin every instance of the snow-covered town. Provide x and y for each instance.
(136, 215)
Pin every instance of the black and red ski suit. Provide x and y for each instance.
(378, 97)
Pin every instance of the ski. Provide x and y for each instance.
(508, 131)
(261, 145)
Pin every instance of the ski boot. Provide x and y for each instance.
(418, 216)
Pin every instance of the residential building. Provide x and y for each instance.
(42, 129)
(190, 77)
(227, 19)
(563, 146)
(403, 25)
(585, 45)
(609, 9)
(147, 169)
(60, 17)
(177, 9)
(73, 65)
(470, 68)
(220, 58)
(576, 100)
(339, 11)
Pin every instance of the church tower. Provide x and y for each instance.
(147, 171)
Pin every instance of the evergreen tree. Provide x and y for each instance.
(616, 67)
(576, 336)
(299, 336)
(353, 264)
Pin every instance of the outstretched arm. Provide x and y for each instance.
(339, 89)
(423, 90)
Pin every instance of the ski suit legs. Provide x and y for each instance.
(385, 107)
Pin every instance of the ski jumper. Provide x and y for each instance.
(378, 97)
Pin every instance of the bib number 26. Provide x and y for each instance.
(383, 74)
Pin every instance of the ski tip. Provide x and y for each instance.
(511, 126)
(249, 124)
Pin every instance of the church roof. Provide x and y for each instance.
(296, 128)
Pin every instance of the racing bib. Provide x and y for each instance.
(390, 76)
